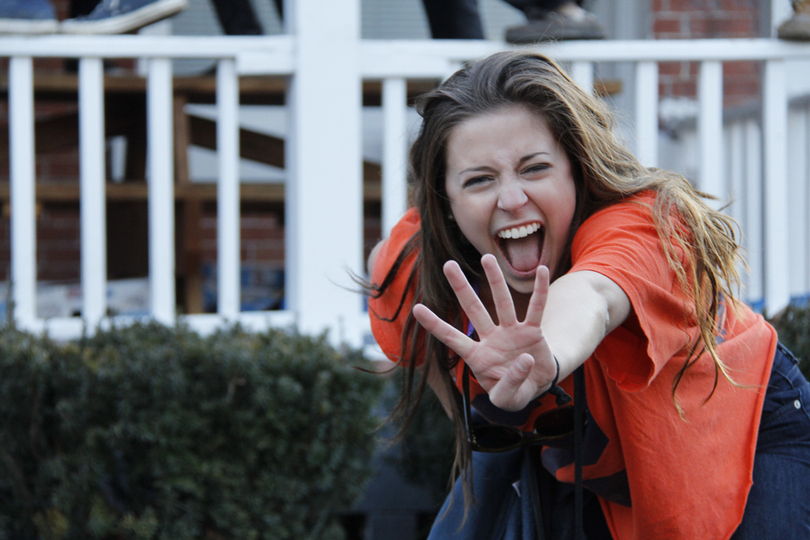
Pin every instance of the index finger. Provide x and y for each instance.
(444, 332)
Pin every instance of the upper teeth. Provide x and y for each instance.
(519, 232)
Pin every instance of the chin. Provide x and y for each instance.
(521, 286)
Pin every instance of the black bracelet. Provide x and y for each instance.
(561, 397)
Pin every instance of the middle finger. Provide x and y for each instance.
(501, 297)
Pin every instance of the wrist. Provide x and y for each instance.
(560, 395)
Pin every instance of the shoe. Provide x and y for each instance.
(796, 28)
(27, 17)
(555, 26)
(122, 16)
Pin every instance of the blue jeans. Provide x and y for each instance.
(778, 505)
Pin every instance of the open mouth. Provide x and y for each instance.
(522, 246)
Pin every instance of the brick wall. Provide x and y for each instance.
(702, 19)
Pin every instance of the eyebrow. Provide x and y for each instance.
(521, 161)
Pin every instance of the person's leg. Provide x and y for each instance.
(27, 17)
(82, 7)
(536, 5)
(496, 513)
(454, 19)
(553, 20)
(237, 18)
(778, 506)
(122, 16)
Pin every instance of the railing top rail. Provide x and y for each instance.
(394, 58)
(276, 51)
(608, 50)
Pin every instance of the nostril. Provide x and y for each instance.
(511, 199)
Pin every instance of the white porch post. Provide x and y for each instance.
(324, 178)
(798, 184)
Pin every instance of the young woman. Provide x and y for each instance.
(538, 246)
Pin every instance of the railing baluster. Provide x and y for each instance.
(736, 174)
(753, 228)
(647, 112)
(92, 191)
(582, 73)
(799, 261)
(395, 145)
(806, 206)
(161, 190)
(735, 145)
(22, 191)
(228, 248)
(710, 126)
(776, 195)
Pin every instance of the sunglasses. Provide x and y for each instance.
(550, 426)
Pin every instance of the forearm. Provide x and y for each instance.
(582, 308)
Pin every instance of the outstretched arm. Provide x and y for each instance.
(514, 360)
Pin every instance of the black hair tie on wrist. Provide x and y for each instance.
(561, 397)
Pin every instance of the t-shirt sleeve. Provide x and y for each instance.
(621, 243)
(389, 311)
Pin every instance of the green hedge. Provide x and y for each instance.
(149, 432)
(793, 326)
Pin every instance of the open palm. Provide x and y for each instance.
(512, 360)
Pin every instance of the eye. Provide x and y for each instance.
(536, 168)
(475, 181)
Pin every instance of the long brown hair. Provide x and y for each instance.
(701, 247)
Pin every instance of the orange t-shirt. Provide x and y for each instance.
(657, 475)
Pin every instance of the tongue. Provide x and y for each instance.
(523, 253)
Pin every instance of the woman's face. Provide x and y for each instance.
(511, 191)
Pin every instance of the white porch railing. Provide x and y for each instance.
(324, 188)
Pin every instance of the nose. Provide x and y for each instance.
(511, 196)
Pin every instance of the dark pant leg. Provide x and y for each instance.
(82, 7)
(496, 514)
(454, 19)
(557, 501)
(538, 5)
(778, 506)
(237, 18)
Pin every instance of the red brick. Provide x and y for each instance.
(741, 68)
(49, 64)
(687, 89)
(667, 28)
(740, 27)
(747, 6)
(269, 255)
(679, 5)
(669, 69)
